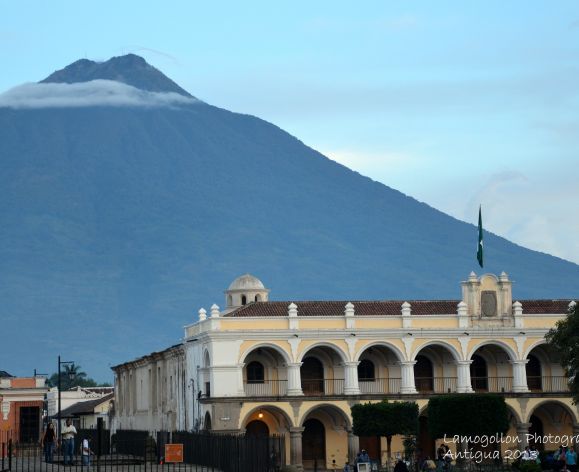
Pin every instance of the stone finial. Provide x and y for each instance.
(349, 311)
(462, 309)
(518, 308)
(406, 309)
(202, 314)
(472, 277)
(503, 277)
(214, 311)
(292, 310)
(572, 304)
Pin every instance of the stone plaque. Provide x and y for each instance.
(488, 303)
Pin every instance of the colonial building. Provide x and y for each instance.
(296, 367)
(22, 406)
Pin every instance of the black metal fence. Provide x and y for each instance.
(137, 451)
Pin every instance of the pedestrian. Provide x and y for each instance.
(346, 467)
(48, 442)
(400, 466)
(571, 460)
(85, 452)
(68, 433)
(364, 457)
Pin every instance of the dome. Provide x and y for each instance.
(246, 282)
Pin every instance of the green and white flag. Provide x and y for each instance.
(479, 251)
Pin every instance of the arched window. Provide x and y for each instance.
(243, 300)
(207, 422)
(533, 368)
(255, 372)
(258, 298)
(423, 374)
(366, 371)
(478, 374)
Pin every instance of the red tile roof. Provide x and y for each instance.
(382, 308)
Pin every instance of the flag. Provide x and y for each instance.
(479, 251)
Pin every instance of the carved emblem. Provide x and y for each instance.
(488, 303)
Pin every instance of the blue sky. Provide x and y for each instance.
(454, 103)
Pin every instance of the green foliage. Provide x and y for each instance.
(564, 340)
(80, 378)
(467, 414)
(529, 466)
(385, 419)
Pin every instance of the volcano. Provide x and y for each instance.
(127, 204)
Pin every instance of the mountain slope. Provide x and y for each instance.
(118, 223)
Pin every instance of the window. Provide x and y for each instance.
(258, 298)
(243, 300)
(366, 370)
(255, 372)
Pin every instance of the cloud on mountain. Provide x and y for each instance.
(88, 94)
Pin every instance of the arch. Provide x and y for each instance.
(206, 359)
(337, 349)
(328, 407)
(255, 372)
(366, 370)
(243, 299)
(314, 442)
(534, 372)
(515, 415)
(397, 352)
(258, 298)
(275, 347)
(207, 421)
(424, 374)
(275, 412)
(540, 342)
(256, 429)
(455, 354)
(312, 376)
(493, 342)
(559, 403)
(479, 374)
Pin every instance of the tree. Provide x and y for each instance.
(487, 414)
(385, 419)
(564, 340)
(79, 378)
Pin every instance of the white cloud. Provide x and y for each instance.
(85, 94)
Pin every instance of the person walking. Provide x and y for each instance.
(85, 452)
(68, 433)
(571, 460)
(48, 443)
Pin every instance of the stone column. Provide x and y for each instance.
(294, 379)
(407, 370)
(353, 446)
(296, 447)
(522, 431)
(351, 386)
(463, 384)
(239, 376)
(520, 375)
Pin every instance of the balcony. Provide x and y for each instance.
(318, 387)
(492, 384)
(436, 384)
(548, 383)
(266, 388)
(380, 386)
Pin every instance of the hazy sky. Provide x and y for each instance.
(453, 103)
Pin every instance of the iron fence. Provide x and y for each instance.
(137, 451)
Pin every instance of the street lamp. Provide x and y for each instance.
(71, 376)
